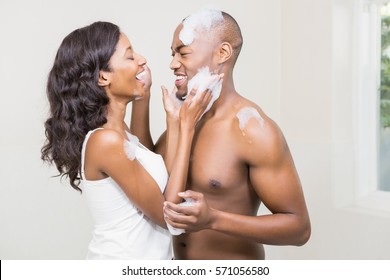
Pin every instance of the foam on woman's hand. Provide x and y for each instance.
(178, 231)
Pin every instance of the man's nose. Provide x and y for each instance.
(175, 63)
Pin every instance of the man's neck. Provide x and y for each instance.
(224, 102)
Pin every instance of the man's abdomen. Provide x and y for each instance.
(209, 245)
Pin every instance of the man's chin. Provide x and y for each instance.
(181, 95)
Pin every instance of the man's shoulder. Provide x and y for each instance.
(249, 117)
(258, 135)
(241, 103)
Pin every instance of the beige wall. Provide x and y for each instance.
(318, 117)
(295, 64)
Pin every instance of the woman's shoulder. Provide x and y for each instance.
(105, 139)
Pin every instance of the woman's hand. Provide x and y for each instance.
(148, 81)
(171, 103)
(196, 217)
(193, 108)
(196, 103)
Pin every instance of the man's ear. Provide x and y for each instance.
(104, 78)
(225, 52)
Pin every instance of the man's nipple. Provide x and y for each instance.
(214, 184)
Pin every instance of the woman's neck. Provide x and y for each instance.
(116, 113)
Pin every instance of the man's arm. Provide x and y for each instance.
(274, 178)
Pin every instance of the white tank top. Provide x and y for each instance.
(121, 231)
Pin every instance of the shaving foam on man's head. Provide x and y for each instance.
(200, 21)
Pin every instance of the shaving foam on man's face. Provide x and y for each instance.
(203, 80)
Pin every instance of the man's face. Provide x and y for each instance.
(187, 60)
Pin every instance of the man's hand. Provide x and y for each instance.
(190, 218)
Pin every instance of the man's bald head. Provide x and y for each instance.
(217, 25)
(229, 31)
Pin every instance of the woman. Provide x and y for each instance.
(96, 73)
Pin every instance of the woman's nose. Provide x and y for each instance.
(141, 60)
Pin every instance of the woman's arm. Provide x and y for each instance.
(172, 108)
(139, 124)
(177, 156)
(190, 112)
(105, 152)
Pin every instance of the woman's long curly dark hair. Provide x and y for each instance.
(77, 103)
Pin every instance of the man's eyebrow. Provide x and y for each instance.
(178, 48)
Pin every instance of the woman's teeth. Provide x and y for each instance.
(140, 76)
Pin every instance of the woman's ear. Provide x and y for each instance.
(225, 52)
(104, 78)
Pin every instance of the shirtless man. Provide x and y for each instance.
(239, 159)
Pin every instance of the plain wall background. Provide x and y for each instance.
(286, 66)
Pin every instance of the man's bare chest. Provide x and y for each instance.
(215, 161)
